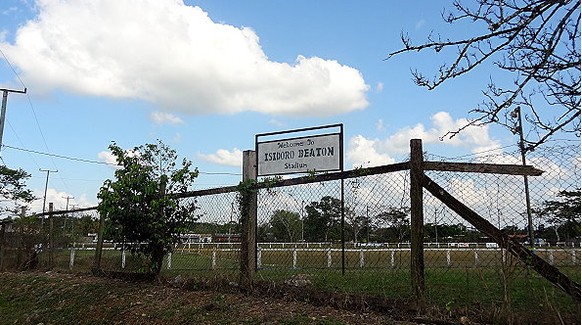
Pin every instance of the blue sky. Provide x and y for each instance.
(206, 76)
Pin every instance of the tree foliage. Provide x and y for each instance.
(537, 42)
(562, 215)
(13, 191)
(138, 205)
(285, 226)
(323, 220)
(360, 226)
(396, 224)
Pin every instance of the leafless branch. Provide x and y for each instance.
(536, 41)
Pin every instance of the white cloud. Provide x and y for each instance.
(83, 201)
(477, 139)
(107, 157)
(363, 151)
(174, 56)
(224, 157)
(366, 153)
(276, 122)
(59, 200)
(165, 118)
(110, 159)
(9, 11)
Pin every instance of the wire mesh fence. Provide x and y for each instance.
(63, 241)
(213, 240)
(479, 268)
(303, 235)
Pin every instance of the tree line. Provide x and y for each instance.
(320, 221)
(137, 208)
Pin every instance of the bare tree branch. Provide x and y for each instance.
(535, 41)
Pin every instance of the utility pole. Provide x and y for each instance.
(517, 114)
(68, 197)
(48, 172)
(5, 92)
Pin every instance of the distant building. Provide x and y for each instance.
(226, 238)
(196, 238)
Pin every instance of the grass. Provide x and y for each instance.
(43, 299)
(455, 291)
(56, 298)
(455, 279)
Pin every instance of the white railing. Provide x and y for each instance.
(435, 257)
(447, 256)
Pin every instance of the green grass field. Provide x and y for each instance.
(317, 258)
(455, 278)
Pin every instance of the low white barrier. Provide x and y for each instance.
(361, 253)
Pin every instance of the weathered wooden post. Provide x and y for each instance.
(248, 196)
(2, 245)
(416, 222)
(51, 237)
(99, 249)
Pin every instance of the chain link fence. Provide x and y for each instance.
(303, 240)
(473, 265)
(213, 241)
(63, 241)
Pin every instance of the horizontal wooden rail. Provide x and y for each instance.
(482, 168)
(544, 268)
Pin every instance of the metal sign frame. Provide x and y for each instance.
(341, 166)
(296, 152)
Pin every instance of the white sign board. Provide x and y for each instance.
(299, 155)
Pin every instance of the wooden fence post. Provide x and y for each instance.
(416, 222)
(99, 248)
(248, 254)
(51, 237)
(2, 245)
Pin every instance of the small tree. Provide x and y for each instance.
(13, 191)
(139, 206)
(85, 225)
(360, 225)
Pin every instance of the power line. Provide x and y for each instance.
(100, 162)
(12, 67)
(28, 97)
(59, 156)
(5, 92)
(31, 105)
(22, 143)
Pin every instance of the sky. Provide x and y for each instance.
(205, 77)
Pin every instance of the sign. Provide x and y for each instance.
(300, 155)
